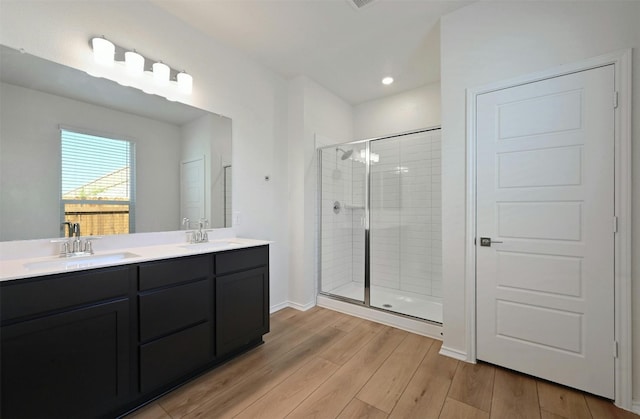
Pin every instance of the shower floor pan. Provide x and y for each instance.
(403, 302)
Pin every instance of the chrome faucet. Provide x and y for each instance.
(203, 223)
(77, 243)
(199, 236)
(74, 245)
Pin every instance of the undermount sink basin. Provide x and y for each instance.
(80, 261)
(210, 245)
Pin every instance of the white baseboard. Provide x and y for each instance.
(454, 353)
(285, 304)
(635, 406)
(278, 307)
(410, 325)
(302, 307)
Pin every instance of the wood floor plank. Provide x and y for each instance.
(346, 347)
(548, 415)
(562, 401)
(284, 397)
(152, 411)
(285, 313)
(425, 394)
(473, 385)
(605, 409)
(358, 409)
(338, 391)
(386, 386)
(454, 409)
(514, 396)
(187, 398)
(231, 400)
(349, 323)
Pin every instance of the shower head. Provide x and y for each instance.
(345, 153)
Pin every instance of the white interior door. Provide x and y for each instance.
(545, 196)
(192, 190)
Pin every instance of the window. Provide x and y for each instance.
(97, 183)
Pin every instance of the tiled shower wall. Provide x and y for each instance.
(336, 233)
(406, 215)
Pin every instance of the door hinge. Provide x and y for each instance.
(615, 224)
(615, 100)
(615, 348)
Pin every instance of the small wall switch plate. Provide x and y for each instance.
(236, 219)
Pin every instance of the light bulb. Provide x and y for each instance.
(185, 83)
(387, 80)
(161, 73)
(103, 51)
(134, 62)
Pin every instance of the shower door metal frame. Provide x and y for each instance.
(367, 225)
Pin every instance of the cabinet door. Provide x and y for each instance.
(72, 364)
(242, 309)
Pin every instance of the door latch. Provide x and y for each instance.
(486, 241)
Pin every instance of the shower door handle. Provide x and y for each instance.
(486, 241)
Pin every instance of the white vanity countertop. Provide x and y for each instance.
(39, 266)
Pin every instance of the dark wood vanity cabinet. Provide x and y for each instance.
(242, 298)
(101, 342)
(65, 344)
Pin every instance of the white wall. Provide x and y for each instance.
(30, 194)
(226, 82)
(323, 114)
(490, 41)
(406, 111)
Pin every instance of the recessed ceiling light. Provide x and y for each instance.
(387, 80)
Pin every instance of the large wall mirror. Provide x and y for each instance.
(179, 157)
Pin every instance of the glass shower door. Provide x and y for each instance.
(405, 225)
(342, 181)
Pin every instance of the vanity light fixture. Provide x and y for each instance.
(156, 78)
(103, 51)
(387, 80)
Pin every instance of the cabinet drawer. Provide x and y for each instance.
(174, 271)
(174, 356)
(170, 309)
(29, 297)
(241, 259)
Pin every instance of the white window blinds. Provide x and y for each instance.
(97, 183)
(95, 168)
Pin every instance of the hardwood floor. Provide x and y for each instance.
(325, 364)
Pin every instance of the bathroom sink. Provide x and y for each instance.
(80, 261)
(210, 245)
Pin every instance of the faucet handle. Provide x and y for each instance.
(88, 243)
(64, 246)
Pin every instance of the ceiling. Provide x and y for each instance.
(345, 49)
